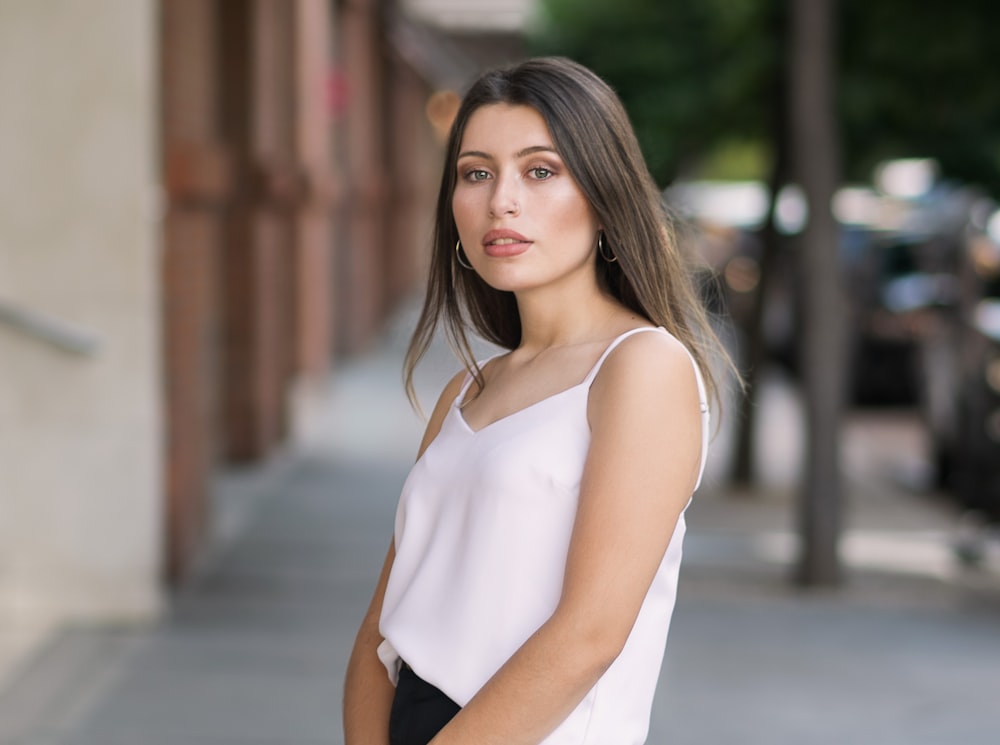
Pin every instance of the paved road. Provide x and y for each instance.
(253, 650)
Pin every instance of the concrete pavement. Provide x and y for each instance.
(254, 648)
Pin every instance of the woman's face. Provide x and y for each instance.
(522, 219)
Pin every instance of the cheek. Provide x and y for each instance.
(463, 205)
(572, 210)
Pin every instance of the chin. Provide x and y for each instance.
(504, 285)
(508, 279)
(512, 278)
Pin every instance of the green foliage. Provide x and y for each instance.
(682, 69)
(735, 160)
(917, 78)
(922, 78)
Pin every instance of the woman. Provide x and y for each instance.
(527, 592)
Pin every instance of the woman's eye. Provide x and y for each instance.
(477, 174)
(541, 173)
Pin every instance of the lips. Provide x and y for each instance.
(503, 243)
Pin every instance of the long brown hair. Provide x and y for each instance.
(594, 138)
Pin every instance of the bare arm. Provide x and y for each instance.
(641, 469)
(368, 692)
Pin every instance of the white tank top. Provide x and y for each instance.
(482, 534)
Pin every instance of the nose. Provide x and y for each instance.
(504, 199)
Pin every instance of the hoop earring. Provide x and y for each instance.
(458, 255)
(600, 249)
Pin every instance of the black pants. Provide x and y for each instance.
(419, 710)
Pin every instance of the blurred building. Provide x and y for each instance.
(203, 204)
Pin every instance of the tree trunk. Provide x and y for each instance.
(754, 343)
(754, 352)
(815, 163)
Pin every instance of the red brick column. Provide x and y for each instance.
(313, 261)
(256, 58)
(196, 183)
(415, 157)
(362, 259)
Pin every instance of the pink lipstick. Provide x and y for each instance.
(505, 243)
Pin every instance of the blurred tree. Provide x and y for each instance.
(815, 165)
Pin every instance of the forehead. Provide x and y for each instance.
(503, 129)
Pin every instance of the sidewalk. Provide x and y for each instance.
(254, 649)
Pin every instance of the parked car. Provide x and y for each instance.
(961, 390)
(905, 285)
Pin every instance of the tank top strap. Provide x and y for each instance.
(611, 347)
(480, 364)
(702, 391)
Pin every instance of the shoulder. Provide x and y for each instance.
(654, 356)
(650, 371)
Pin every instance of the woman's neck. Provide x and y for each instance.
(553, 319)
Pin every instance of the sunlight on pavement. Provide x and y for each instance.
(928, 554)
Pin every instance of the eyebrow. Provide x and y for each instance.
(518, 154)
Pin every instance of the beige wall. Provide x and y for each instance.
(80, 438)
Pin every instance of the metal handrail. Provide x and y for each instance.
(64, 336)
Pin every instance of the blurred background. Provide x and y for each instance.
(215, 221)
